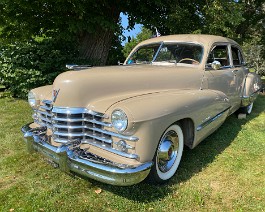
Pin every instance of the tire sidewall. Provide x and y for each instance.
(157, 175)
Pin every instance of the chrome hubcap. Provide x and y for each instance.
(167, 151)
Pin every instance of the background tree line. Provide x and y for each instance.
(37, 38)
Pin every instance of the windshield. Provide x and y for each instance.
(189, 53)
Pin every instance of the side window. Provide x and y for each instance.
(237, 56)
(164, 55)
(219, 53)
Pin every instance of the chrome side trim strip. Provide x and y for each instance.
(204, 124)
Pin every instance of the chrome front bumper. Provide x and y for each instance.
(64, 158)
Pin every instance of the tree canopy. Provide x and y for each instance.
(37, 38)
(143, 35)
(91, 25)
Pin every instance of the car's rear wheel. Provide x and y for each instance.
(247, 109)
(168, 155)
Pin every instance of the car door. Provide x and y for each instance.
(228, 78)
(240, 71)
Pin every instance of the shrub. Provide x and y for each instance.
(261, 72)
(26, 65)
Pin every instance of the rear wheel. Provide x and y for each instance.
(247, 109)
(168, 155)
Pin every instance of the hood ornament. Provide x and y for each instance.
(55, 94)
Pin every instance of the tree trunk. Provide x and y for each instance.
(95, 47)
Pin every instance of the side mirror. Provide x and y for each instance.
(216, 65)
(77, 67)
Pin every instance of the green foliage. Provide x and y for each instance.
(143, 35)
(31, 64)
(61, 19)
(89, 23)
(115, 52)
(238, 20)
(253, 54)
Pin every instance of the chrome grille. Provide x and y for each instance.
(44, 114)
(69, 124)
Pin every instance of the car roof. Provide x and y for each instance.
(197, 38)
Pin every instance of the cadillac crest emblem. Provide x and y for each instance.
(55, 94)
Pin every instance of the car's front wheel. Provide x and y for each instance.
(168, 155)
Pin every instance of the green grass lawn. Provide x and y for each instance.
(226, 172)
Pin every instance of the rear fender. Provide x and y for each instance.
(253, 85)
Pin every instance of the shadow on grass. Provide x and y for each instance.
(193, 161)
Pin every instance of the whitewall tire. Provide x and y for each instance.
(246, 110)
(168, 155)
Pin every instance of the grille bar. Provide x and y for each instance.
(83, 119)
(70, 124)
(77, 111)
(74, 135)
(44, 107)
(129, 138)
(46, 120)
(45, 113)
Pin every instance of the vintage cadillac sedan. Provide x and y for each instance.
(122, 124)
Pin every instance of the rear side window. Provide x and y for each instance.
(237, 56)
(219, 53)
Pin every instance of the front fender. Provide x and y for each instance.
(253, 85)
(44, 92)
(150, 115)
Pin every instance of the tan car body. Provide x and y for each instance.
(154, 96)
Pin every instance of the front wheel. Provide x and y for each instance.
(168, 155)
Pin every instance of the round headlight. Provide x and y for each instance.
(119, 120)
(32, 99)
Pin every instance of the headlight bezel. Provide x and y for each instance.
(119, 120)
(32, 100)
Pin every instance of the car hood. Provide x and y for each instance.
(100, 87)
